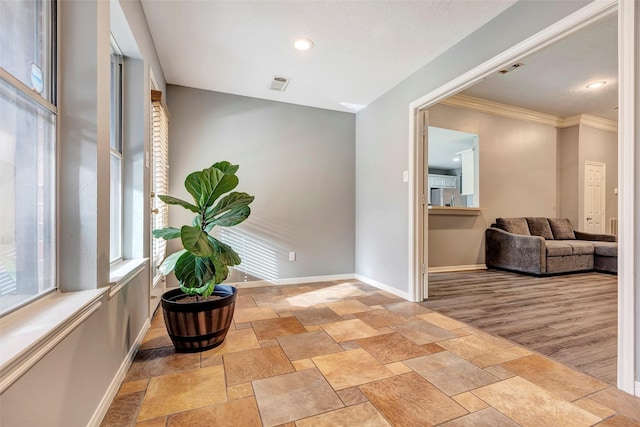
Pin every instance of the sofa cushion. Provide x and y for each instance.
(580, 247)
(514, 225)
(561, 228)
(540, 227)
(558, 249)
(605, 248)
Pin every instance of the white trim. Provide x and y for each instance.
(638, 388)
(588, 120)
(291, 281)
(450, 268)
(328, 278)
(384, 287)
(112, 391)
(504, 110)
(29, 334)
(589, 14)
(123, 272)
(627, 163)
(498, 109)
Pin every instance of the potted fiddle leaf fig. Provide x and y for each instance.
(198, 313)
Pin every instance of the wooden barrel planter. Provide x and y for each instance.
(201, 325)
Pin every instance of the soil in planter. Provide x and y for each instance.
(191, 298)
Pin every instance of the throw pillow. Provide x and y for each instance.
(540, 227)
(514, 225)
(562, 229)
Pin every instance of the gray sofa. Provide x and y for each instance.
(545, 246)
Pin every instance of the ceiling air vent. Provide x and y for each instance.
(279, 83)
(511, 68)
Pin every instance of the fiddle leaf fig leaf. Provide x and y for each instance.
(226, 167)
(169, 263)
(194, 272)
(207, 185)
(221, 270)
(224, 252)
(166, 233)
(175, 201)
(201, 184)
(228, 202)
(234, 217)
(196, 241)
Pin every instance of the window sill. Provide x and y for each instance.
(122, 272)
(452, 210)
(28, 334)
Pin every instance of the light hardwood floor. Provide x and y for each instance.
(570, 318)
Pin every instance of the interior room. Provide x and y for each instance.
(344, 314)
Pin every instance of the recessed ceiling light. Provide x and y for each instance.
(596, 85)
(303, 44)
(456, 159)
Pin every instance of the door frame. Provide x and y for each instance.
(580, 19)
(583, 214)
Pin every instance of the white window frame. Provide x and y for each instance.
(117, 152)
(46, 99)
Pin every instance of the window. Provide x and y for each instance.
(27, 152)
(116, 158)
(159, 178)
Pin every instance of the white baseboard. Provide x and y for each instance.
(449, 268)
(111, 392)
(292, 281)
(328, 278)
(384, 287)
(637, 392)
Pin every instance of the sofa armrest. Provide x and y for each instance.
(515, 252)
(581, 235)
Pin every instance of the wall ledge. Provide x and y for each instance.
(28, 334)
(122, 272)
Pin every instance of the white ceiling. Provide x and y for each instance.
(362, 48)
(554, 80)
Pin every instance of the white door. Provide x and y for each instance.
(594, 197)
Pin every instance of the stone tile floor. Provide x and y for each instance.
(347, 354)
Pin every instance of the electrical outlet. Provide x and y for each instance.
(292, 256)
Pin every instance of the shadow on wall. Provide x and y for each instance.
(259, 259)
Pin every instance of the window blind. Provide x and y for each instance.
(160, 175)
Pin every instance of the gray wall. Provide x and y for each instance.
(568, 173)
(517, 178)
(298, 163)
(70, 384)
(576, 145)
(382, 140)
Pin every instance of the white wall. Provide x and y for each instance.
(298, 163)
(382, 138)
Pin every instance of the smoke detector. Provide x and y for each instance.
(279, 83)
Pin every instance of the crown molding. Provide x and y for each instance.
(504, 110)
(589, 120)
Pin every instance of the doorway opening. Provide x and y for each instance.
(593, 13)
